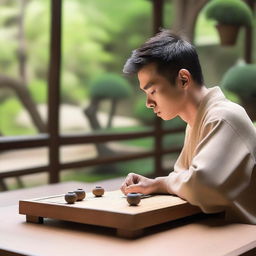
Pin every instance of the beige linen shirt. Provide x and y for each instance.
(216, 169)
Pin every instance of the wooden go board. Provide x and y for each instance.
(110, 210)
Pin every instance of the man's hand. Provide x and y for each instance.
(135, 183)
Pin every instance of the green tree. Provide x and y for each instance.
(14, 19)
(106, 87)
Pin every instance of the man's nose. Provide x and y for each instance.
(149, 103)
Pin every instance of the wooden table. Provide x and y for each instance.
(204, 236)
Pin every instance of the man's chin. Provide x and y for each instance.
(166, 118)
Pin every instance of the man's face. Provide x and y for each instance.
(166, 99)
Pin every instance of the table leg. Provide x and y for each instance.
(34, 219)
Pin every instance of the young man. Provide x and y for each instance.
(216, 169)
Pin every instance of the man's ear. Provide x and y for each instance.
(184, 77)
(183, 80)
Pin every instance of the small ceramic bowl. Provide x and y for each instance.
(80, 194)
(70, 197)
(133, 198)
(98, 191)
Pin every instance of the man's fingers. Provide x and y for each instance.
(125, 184)
(135, 188)
(123, 187)
(130, 180)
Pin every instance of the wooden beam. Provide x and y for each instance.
(23, 142)
(27, 171)
(115, 159)
(42, 140)
(89, 162)
(158, 6)
(248, 42)
(54, 90)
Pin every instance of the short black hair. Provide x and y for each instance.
(170, 53)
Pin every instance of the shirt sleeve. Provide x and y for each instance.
(220, 169)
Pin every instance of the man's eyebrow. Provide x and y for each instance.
(148, 85)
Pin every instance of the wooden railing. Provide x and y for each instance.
(44, 140)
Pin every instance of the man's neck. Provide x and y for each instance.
(194, 98)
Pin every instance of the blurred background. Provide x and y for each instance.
(102, 128)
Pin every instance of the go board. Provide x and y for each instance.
(110, 210)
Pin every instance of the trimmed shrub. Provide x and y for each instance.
(241, 81)
(229, 12)
(110, 86)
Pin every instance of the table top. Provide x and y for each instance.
(191, 236)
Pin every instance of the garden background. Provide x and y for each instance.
(97, 38)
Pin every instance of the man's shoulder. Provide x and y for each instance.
(228, 111)
(235, 117)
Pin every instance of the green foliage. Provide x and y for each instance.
(229, 12)
(141, 166)
(177, 139)
(7, 34)
(95, 39)
(72, 89)
(37, 35)
(84, 37)
(7, 56)
(110, 86)
(9, 110)
(241, 81)
(124, 30)
(38, 90)
(173, 140)
(85, 176)
(176, 122)
(169, 141)
(12, 105)
(144, 114)
(73, 95)
(232, 96)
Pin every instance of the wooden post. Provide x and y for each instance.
(158, 6)
(248, 45)
(54, 91)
